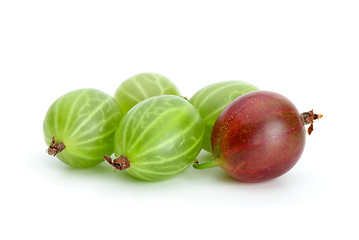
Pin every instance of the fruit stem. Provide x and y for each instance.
(55, 147)
(184, 98)
(121, 163)
(209, 164)
(308, 118)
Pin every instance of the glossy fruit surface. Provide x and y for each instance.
(213, 99)
(84, 121)
(142, 86)
(160, 137)
(259, 136)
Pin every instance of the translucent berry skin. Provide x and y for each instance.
(212, 99)
(161, 137)
(142, 86)
(259, 136)
(84, 120)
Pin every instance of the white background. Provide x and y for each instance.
(305, 50)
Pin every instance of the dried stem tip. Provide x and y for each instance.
(55, 147)
(309, 117)
(121, 163)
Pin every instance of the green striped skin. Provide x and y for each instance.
(142, 86)
(85, 120)
(213, 99)
(161, 137)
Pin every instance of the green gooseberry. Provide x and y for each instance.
(158, 138)
(80, 125)
(213, 99)
(142, 86)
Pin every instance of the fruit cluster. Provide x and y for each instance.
(155, 133)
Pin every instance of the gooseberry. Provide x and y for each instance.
(259, 136)
(158, 138)
(212, 99)
(79, 127)
(142, 86)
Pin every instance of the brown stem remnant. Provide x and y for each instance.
(121, 163)
(55, 147)
(309, 117)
